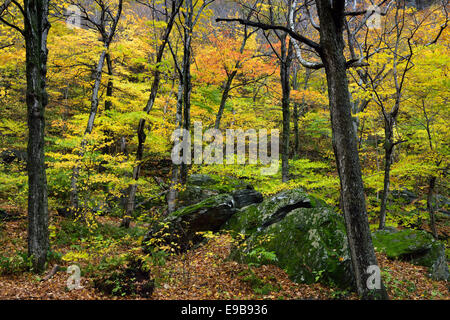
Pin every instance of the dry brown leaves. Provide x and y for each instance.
(205, 273)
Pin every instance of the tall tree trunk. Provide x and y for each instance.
(430, 206)
(35, 32)
(331, 16)
(172, 194)
(74, 196)
(108, 149)
(187, 85)
(110, 85)
(129, 208)
(285, 66)
(295, 86)
(388, 150)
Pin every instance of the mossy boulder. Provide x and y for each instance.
(310, 245)
(181, 227)
(202, 186)
(193, 194)
(220, 184)
(307, 237)
(418, 247)
(273, 209)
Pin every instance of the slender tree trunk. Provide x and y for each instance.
(172, 194)
(110, 85)
(108, 149)
(286, 57)
(187, 85)
(295, 86)
(345, 147)
(430, 206)
(74, 196)
(176, 4)
(227, 84)
(388, 150)
(35, 32)
(223, 100)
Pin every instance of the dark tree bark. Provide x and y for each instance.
(35, 32)
(176, 4)
(388, 153)
(430, 206)
(186, 73)
(331, 17)
(285, 66)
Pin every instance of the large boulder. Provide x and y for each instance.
(193, 194)
(201, 180)
(245, 197)
(8, 156)
(180, 229)
(269, 211)
(418, 247)
(404, 196)
(307, 237)
(202, 186)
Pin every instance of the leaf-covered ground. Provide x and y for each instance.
(205, 273)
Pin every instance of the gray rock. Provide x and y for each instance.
(179, 230)
(201, 180)
(245, 197)
(307, 237)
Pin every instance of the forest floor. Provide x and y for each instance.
(202, 273)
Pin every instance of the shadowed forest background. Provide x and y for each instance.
(86, 177)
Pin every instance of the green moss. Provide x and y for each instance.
(245, 221)
(205, 204)
(310, 245)
(398, 245)
(418, 247)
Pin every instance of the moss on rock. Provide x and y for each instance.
(418, 247)
(307, 237)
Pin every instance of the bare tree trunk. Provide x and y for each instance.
(295, 86)
(186, 72)
(74, 196)
(430, 206)
(345, 147)
(35, 33)
(285, 66)
(110, 85)
(388, 149)
(223, 100)
(176, 4)
(172, 194)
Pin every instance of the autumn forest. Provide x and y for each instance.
(224, 150)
